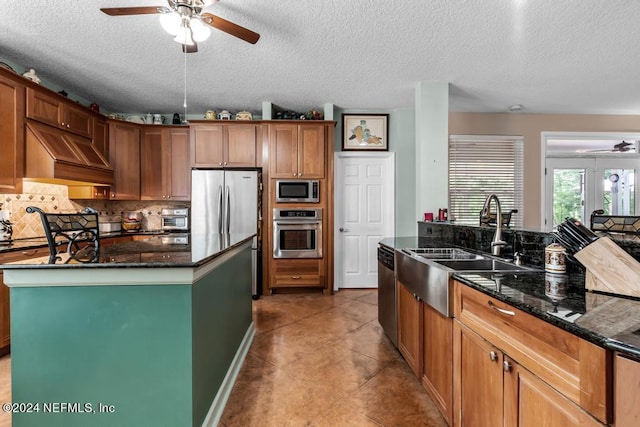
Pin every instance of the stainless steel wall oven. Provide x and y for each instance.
(297, 233)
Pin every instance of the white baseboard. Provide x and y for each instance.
(220, 401)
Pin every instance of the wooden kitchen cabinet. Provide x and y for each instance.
(12, 105)
(5, 308)
(626, 396)
(297, 150)
(291, 273)
(49, 108)
(558, 378)
(164, 166)
(124, 156)
(224, 145)
(410, 328)
(101, 136)
(437, 359)
(494, 390)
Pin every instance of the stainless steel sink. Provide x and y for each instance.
(443, 253)
(427, 272)
(484, 264)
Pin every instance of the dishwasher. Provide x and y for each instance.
(387, 310)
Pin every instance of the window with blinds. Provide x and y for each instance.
(479, 166)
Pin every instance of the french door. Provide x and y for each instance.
(575, 187)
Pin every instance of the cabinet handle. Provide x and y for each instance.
(501, 310)
(113, 195)
(493, 356)
(296, 277)
(31, 252)
(300, 174)
(226, 163)
(220, 164)
(506, 366)
(295, 174)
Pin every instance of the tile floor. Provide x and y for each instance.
(324, 361)
(316, 361)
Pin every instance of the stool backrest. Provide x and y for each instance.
(76, 234)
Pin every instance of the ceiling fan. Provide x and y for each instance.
(185, 20)
(621, 147)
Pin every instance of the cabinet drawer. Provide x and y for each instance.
(569, 364)
(302, 280)
(13, 256)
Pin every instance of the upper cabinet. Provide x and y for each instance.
(48, 108)
(164, 164)
(101, 136)
(224, 145)
(297, 150)
(124, 155)
(12, 104)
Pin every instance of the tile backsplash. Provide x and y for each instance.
(55, 198)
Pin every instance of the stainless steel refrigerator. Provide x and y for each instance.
(227, 201)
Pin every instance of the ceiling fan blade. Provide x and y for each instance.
(142, 10)
(190, 48)
(230, 28)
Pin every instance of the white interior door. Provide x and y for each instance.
(364, 214)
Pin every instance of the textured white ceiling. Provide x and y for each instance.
(550, 56)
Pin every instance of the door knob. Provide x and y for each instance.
(343, 230)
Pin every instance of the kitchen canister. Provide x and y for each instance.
(555, 286)
(6, 229)
(555, 258)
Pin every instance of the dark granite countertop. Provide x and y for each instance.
(40, 242)
(610, 321)
(149, 253)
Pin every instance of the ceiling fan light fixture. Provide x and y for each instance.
(171, 22)
(200, 31)
(184, 35)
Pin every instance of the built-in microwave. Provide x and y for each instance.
(298, 191)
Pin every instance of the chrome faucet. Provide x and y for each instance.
(497, 243)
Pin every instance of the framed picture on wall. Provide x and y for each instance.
(369, 132)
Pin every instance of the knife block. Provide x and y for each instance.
(609, 268)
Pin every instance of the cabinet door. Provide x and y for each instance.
(154, 164)
(43, 107)
(124, 155)
(5, 318)
(437, 359)
(478, 374)
(101, 136)
(311, 151)
(12, 104)
(283, 151)
(207, 143)
(625, 395)
(410, 328)
(240, 146)
(179, 170)
(76, 119)
(530, 402)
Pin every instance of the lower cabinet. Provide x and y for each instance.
(425, 341)
(437, 359)
(513, 369)
(292, 273)
(5, 322)
(5, 312)
(494, 390)
(410, 328)
(625, 395)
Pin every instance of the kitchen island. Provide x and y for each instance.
(149, 334)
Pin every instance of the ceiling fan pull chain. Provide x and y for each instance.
(185, 81)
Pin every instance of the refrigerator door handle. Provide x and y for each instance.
(220, 209)
(228, 207)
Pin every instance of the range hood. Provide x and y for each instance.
(54, 155)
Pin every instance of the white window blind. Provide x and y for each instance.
(479, 166)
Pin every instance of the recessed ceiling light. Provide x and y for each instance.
(516, 107)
